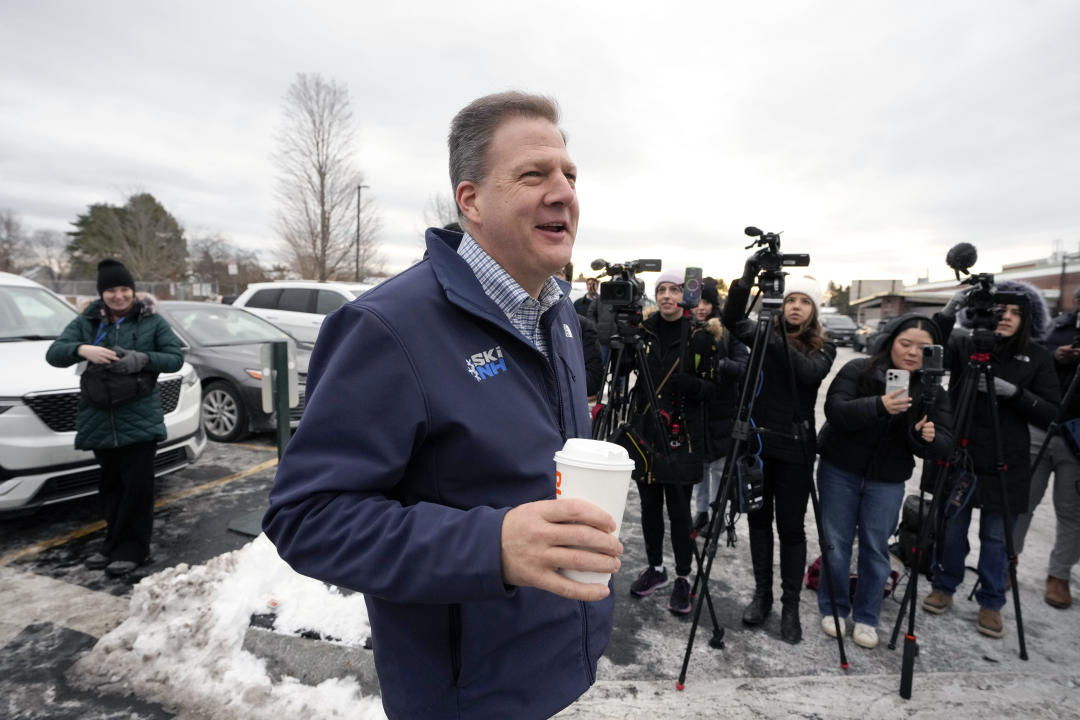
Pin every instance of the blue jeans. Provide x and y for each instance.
(993, 564)
(706, 490)
(849, 502)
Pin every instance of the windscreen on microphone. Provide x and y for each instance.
(752, 231)
(961, 256)
(598, 264)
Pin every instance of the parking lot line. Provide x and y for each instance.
(100, 524)
(267, 448)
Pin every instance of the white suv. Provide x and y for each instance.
(299, 306)
(39, 464)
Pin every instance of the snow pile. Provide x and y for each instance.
(181, 643)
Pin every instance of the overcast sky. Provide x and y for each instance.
(875, 135)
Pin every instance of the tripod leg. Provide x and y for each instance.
(1010, 550)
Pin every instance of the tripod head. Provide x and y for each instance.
(767, 261)
(983, 302)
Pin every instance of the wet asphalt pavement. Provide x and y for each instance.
(196, 507)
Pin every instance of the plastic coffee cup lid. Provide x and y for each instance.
(594, 455)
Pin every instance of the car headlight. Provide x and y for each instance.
(190, 377)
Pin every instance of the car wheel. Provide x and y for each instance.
(223, 414)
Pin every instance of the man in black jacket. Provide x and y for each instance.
(1060, 459)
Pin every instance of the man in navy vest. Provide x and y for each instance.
(422, 473)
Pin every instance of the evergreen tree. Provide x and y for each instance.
(141, 234)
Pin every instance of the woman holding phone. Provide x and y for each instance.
(878, 417)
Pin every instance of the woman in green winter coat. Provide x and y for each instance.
(125, 335)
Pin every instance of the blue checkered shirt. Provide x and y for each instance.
(521, 309)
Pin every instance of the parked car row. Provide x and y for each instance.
(224, 343)
(216, 394)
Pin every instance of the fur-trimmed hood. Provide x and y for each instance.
(145, 305)
(1036, 307)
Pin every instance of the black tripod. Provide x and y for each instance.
(771, 286)
(977, 371)
(628, 355)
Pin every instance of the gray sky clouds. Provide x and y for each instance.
(875, 135)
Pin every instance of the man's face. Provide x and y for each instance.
(590, 287)
(668, 296)
(525, 212)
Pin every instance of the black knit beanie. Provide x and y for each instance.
(112, 273)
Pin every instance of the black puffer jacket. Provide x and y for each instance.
(1031, 370)
(860, 436)
(773, 408)
(687, 411)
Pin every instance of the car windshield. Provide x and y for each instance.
(223, 325)
(839, 321)
(32, 313)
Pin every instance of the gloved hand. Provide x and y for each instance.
(750, 270)
(956, 303)
(686, 385)
(129, 362)
(1002, 388)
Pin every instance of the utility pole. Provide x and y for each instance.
(356, 246)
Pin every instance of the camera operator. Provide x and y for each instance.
(670, 340)
(731, 358)
(1027, 392)
(809, 356)
(867, 451)
(1061, 459)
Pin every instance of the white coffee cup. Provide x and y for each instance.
(599, 472)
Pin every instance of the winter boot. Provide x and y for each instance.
(761, 549)
(792, 563)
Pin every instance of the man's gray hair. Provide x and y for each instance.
(474, 126)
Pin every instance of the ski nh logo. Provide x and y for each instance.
(486, 364)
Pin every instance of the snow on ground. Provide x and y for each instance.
(181, 643)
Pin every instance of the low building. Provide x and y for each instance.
(1057, 276)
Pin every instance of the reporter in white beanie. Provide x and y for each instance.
(807, 356)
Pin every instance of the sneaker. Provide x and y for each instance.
(829, 626)
(679, 602)
(119, 568)
(990, 623)
(864, 635)
(96, 561)
(648, 582)
(937, 602)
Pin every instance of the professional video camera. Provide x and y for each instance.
(983, 302)
(624, 289)
(769, 259)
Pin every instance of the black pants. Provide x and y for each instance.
(786, 492)
(652, 523)
(127, 498)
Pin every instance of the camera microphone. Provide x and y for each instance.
(752, 231)
(961, 257)
(598, 264)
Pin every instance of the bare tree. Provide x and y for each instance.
(441, 210)
(317, 183)
(12, 241)
(211, 257)
(48, 248)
